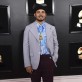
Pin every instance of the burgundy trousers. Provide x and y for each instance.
(45, 70)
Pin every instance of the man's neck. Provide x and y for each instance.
(40, 22)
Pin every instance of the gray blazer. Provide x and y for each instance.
(31, 46)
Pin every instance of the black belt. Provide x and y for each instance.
(46, 55)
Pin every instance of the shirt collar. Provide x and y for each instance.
(43, 24)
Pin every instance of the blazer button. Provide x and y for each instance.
(50, 57)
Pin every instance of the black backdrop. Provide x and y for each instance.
(19, 19)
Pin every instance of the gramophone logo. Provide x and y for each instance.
(0, 58)
(79, 24)
(39, 1)
(79, 52)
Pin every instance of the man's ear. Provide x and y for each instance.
(34, 15)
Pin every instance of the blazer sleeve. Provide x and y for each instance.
(55, 44)
(26, 48)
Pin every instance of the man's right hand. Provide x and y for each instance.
(29, 69)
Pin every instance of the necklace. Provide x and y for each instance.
(40, 37)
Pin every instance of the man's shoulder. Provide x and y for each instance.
(50, 25)
(29, 26)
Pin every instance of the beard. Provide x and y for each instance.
(40, 18)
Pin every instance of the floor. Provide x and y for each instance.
(74, 78)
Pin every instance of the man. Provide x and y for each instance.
(40, 47)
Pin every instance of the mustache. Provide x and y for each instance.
(40, 16)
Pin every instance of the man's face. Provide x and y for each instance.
(40, 15)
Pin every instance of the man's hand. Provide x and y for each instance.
(29, 69)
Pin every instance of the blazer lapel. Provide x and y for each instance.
(34, 31)
(48, 32)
